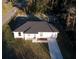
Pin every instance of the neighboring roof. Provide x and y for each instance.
(35, 27)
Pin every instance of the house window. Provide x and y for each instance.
(42, 39)
(19, 34)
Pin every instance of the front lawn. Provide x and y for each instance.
(21, 49)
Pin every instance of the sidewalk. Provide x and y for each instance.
(9, 15)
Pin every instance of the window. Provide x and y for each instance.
(42, 39)
(19, 34)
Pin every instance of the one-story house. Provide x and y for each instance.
(37, 31)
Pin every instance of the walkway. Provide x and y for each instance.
(54, 49)
(9, 15)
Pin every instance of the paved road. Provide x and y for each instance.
(9, 15)
(54, 49)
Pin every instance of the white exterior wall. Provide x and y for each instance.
(29, 36)
(16, 35)
(47, 34)
(44, 34)
(38, 35)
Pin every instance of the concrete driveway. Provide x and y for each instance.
(54, 50)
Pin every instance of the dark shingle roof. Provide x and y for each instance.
(35, 27)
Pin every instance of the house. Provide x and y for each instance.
(37, 31)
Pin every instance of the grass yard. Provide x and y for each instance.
(6, 8)
(21, 49)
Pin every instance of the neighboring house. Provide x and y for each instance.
(37, 31)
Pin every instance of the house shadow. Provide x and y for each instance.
(18, 21)
(56, 22)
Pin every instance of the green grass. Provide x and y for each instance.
(22, 49)
(29, 50)
(6, 8)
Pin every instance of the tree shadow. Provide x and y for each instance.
(55, 21)
(66, 42)
(20, 4)
(18, 21)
